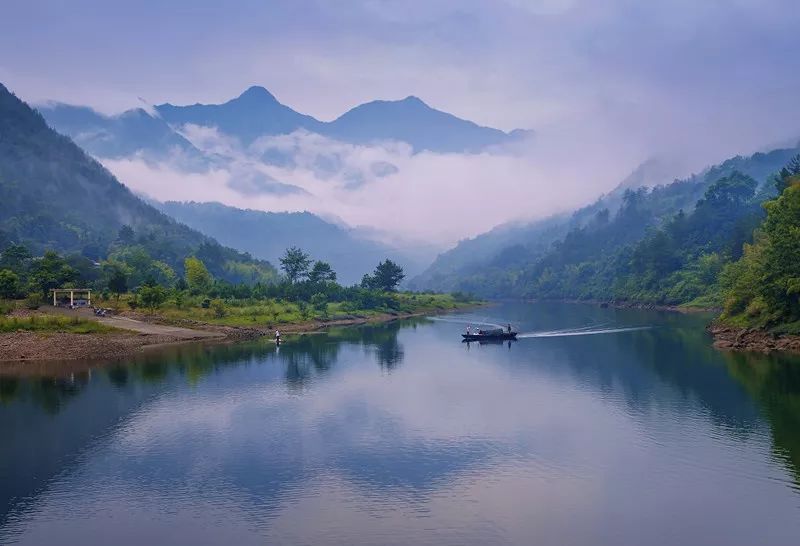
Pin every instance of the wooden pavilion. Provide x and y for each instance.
(83, 294)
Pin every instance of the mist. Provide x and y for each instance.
(605, 86)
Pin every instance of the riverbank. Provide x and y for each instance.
(734, 338)
(686, 309)
(132, 332)
(59, 346)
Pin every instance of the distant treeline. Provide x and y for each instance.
(132, 269)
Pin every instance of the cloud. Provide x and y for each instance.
(604, 84)
(431, 197)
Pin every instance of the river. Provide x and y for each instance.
(598, 426)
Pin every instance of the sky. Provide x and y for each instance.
(605, 85)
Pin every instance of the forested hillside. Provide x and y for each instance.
(762, 288)
(56, 197)
(661, 245)
(268, 234)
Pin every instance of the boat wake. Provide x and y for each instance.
(585, 331)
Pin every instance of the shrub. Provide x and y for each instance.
(218, 306)
(34, 300)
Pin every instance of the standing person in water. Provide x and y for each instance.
(277, 336)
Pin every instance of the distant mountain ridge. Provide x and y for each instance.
(257, 113)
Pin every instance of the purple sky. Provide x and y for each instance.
(605, 84)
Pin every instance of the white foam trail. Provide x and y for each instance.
(568, 330)
(582, 332)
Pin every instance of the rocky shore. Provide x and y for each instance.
(31, 346)
(752, 339)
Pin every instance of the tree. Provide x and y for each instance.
(322, 272)
(126, 235)
(367, 282)
(152, 297)
(9, 284)
(198, 278)
(791, 170)
(295, 264)
(387, 276)
(14, 258)
(117, 279)
(51, 271)
(781, 275)
(320, 303)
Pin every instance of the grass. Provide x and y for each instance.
(52, 323)
(254, 312)
(706, 301)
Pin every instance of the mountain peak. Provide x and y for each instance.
(257, 93)
(411, 99)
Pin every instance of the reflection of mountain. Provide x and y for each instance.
(676, 354)
(49, 421)
(256, 428)
(775, 384)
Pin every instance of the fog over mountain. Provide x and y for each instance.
(253, 151)
(605, 86)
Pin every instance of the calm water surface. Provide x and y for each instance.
(400, 434)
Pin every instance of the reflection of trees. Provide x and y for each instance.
(51, 394)
(304, 356)
(9, 389)
(383, 340)
(775, 384)
(307, 356)
(118, 376)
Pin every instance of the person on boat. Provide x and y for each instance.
(468, 327)
(509, 327)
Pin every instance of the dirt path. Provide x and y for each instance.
(131, 337)
(138, 326)
(125, 323)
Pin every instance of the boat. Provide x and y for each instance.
(490, 335)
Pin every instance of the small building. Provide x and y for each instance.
(78, 297)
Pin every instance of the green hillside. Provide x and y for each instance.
(56, 197)
(665, 245)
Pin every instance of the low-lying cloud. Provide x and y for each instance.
(433, 197)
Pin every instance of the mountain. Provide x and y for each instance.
(491, 264)
(411, 120)
(253, 114)
(267, 235)
(120, 136)
(54, 196)
(257, 113)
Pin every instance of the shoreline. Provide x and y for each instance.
(634, 305)
(144, 333)
(732, 338)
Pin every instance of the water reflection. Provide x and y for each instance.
(402, 424)
(775, 383)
